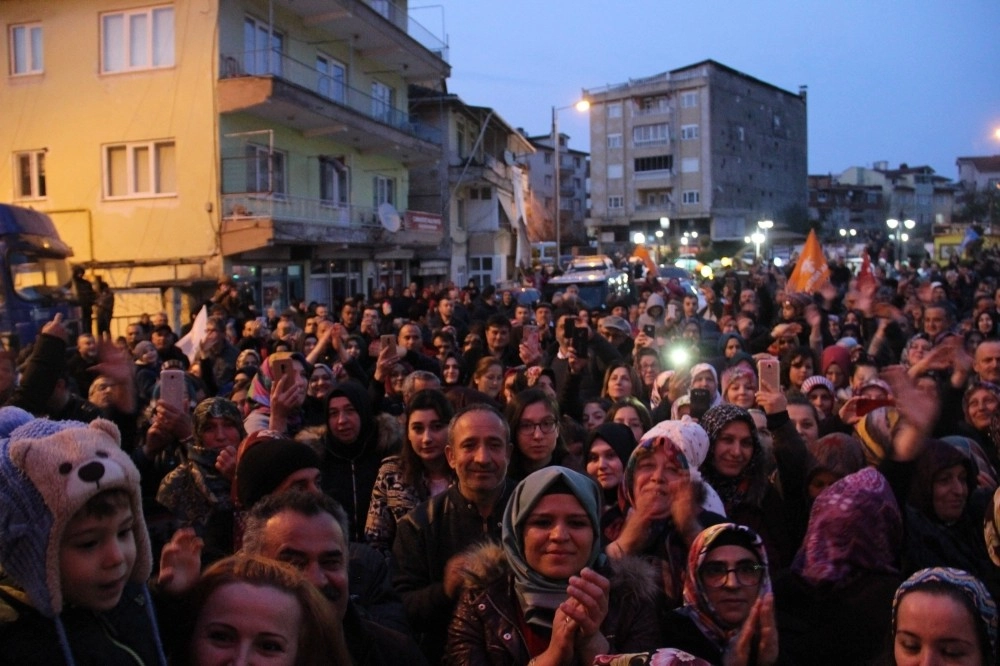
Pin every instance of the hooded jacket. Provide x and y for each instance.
(485, 629)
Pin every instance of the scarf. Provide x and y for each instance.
(750, 484)
(538, 595)
(195, 489)
(696, 605)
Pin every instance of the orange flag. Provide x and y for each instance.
(642, 253)
(811, 271)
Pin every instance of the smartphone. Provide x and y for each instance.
(281, 367)
(701, 401)
(569, 327)
(649, 331)
(866, 405)
(530, 335)
(581, 339)
(769, 372)
(672, 311)
(387, 342)
(173, 389)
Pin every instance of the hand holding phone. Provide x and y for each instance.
(173, 389)
(530, 335)
(281, 367)
(701, 401)
(769, 373)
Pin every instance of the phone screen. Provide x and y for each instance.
(701, 400)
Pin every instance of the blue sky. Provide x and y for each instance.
(915, 82)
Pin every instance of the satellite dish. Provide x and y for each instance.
(389, 217)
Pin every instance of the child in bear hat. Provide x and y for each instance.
(73, 546)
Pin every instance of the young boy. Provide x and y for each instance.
(73, 546)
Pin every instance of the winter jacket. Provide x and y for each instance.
(486, 631)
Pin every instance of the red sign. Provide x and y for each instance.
(418, 221)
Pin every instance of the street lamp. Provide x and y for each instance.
(580, 106)
(757, 239)
(764, 225)
(893, 224)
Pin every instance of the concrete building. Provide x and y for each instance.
(979, 173)
(574, 170)
(480, 188)
(837, 206)
(706, 147)
(267, 140)
(915, 193)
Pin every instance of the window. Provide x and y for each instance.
(689, 132)
(615, 203)
(26, 49)
(548, 181)
(384, 190)
(648, 105)
(691, 197)
(577, 184)
(615, 171)
(138, 39)
(383, 101)
(258, 59)
(147, 168)
(548, 158)
(481, 270)
(689, 165)
(689, 100)
(614, 141)
(30, 174)
(655, 163)
(646, 135)
(332, 78)
(265, 170)
(615, 110)
(333, 187)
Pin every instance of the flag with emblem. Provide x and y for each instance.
(811, 272)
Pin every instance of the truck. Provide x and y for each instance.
(35, 277)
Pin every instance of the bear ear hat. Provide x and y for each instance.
(40, 491)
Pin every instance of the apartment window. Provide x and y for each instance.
(689, 132)
(577, 184)
(615, 203)
(615, 171)
(262, 48)
(333, 187)
(691, 196)
(383, 101)
(648, 105)
(265, 170)
(138, 39)
(481, 270)
(26, 49)
(548, 158)
(654, 163)
(30, 174)
(689, 100)
(690, 165)
(645, 135)
(615, 110)
(614, 141)
(481, 193)
(332, 77)
(548, 181)
(384, 190)
(147, 168)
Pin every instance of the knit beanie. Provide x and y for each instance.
(268, 462)
(729, 375)
(48, 471)
(818, 381)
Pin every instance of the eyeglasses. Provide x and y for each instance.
(528, 428)
(715, 574)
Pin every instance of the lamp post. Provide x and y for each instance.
(764, 225)
(893, 224)
(757, 239)
(581, 106)
(909, 224)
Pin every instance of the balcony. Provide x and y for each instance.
(255, 220)
(379, 30)
(287, 92)
(651, 179)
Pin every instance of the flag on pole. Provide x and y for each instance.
(866, 276)
(811, 272)
(191, 342)
(642, 253)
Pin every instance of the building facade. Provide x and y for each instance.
(703, 149)
(836, 206)
(574, 172)
(268, 140)
(915, 193)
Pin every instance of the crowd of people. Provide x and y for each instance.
(752, 476)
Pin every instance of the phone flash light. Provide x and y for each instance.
(679, 356)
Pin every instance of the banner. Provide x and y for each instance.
(811, 272)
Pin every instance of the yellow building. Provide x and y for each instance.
(176, 143)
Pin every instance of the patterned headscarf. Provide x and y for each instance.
(212, 408)
(647, 447)
(260, 385)
(692, 440)
(855, 527)
(538, 595)
(661, 388)
(972, 448)
(751, 484)
(697, 607)
(966, 584)
(730, 375)
(991, 529)
(875, 431)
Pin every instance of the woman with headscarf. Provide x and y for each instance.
(277, 405)
(943, 615)
(547, 592)
(831, 606)
(980, 404)
(605, 453)
(735, 466)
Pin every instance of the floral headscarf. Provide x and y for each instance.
(661, 388)
(692, 440)
(751, 484)
(647, 447)
(965, 583)
(991, 529)
(538, 595)
(855, 527)
(696, 604)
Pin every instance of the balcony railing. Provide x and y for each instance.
(402, 20)
(265, 63)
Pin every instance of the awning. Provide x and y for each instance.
(432, 267)
(394, 253)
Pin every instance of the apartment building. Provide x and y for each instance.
(837, 206)
(703, 148)
(914, 193)
(481, 188)
(574, 170)
(268, 140)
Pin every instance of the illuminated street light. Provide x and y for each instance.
(854, 232)
(757, 239)
(639, 238)
(659, 233)
(581, 106)
(843, 233)
(893, 224)
(764, 225)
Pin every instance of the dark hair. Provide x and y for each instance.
(803, 401)
(515, 412)
(498, 321)
(106, 503)
(476, 407)
(297, 501)
(640, 409)
(800, 351)
(412, 466)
